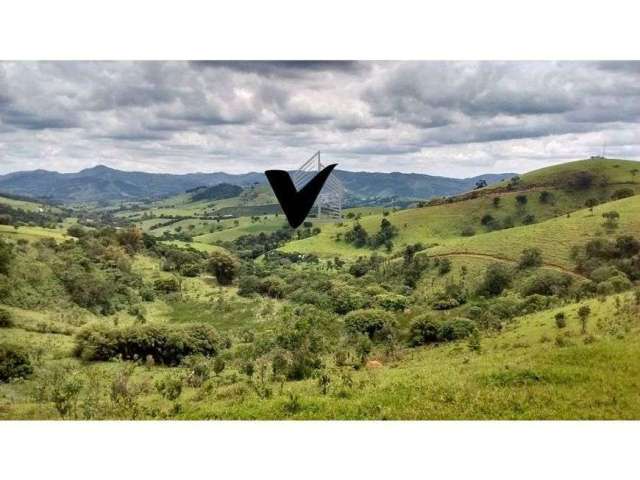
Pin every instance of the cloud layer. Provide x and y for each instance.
(445, 118)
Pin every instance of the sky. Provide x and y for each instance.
(457, 119)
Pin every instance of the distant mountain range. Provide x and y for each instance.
(102, 183)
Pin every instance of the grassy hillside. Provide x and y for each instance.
(444, 224)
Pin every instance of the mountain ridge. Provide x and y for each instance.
(103, 183)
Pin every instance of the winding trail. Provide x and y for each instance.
(551, 266)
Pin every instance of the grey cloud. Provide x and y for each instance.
(366, 115)
(286, 68)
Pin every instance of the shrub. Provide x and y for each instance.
(561, 320)
(622, 193)
(452, 296)
(6, 319)
(547, 283)
(14, 363)
(357, 236)
(199, 370)
(190, 270)
(223, 266)
(76, 231)
(166, 344)
(521, 200)
(444, 266)
(497, 277)
(272, 286)
(546, 197)
(590, 203)
(468, 231)
(530, 257)
(424, 330)
(391, 302)
(455, 329)
(487, 220)
(529, 219)
(374, 323)
(218, 365)
(611, 220)
(167, 285)
(170, 387)
(345, 298)
(248, 285)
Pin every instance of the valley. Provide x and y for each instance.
(519, 299)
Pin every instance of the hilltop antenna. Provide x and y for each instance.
(329, 202)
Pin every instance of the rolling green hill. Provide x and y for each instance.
(542, 222)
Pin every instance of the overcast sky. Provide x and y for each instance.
(444, 118)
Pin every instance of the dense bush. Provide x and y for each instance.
(6, 319)
(357, 236)
(167, 285)
(14, 363)
(455, 329)
(547, 282)
(468, 231)
(375, 323)
(497, 277)
(424, 330)
(623, 254)
(622, 193)
(530, 258)
(223, 266)
(166, 344)
(391, 302)
(452, 296)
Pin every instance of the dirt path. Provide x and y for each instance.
(550, 266)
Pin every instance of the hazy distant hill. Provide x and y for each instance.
(104, 183)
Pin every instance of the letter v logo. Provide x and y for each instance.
(297, 204)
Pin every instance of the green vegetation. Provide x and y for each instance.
(514, 301)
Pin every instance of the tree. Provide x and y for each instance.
(545, 197)
(496, 278)
(480, 184)
(223, 266)
(521, 200)
(131, 239)
(357, 236)
(583, 314)
(590, 203)
(76, 231)
(611, 220)
(530, 257)
(561, 320)
(496, 202)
